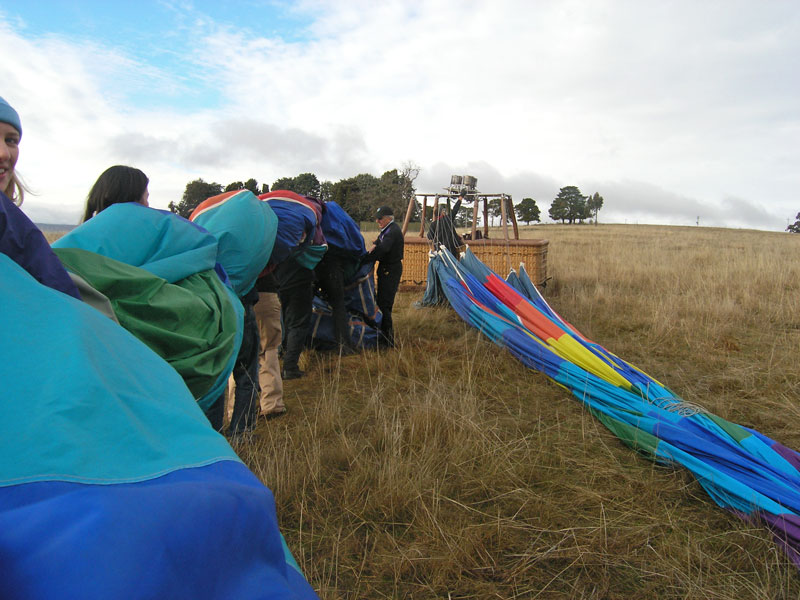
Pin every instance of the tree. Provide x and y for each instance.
(594, 204)
(559, 210)
(284, 183)
(235, 186)
(358, 196)
(527, 211)
(569, 205)
(326, 191)
(495, 209)
(305, 184)
(794, 227)
(408, 174)
(196, 191)
(463, 217)
(361, 195)
(252, 185)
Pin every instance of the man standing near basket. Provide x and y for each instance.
(387, 251)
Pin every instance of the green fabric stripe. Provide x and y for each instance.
(737, 432)
(632, 436)
(191, 323)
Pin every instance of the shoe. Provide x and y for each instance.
(292, 374)
(275, 414)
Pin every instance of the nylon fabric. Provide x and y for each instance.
(112, 482)
(742, 470)
(245, 229)
(161, 274)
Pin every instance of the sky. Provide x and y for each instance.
(676, 112)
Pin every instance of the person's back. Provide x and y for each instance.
(443, 231)
(338, 266)
(299, 246)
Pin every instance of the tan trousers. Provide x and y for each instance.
(268, 315)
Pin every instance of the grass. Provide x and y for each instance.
(445, 469)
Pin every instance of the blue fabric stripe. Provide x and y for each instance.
(296, 225)
(341, 231)
(205, 533)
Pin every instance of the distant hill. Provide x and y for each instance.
(55, 227)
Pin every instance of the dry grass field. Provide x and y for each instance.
(445, 469)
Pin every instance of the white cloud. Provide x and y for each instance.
(670, 110)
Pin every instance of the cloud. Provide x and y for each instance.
(670, 111)
(632, 201)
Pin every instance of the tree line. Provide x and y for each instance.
(361, 194)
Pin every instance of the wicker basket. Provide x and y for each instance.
(499, 255)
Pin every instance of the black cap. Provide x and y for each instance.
(384, 211)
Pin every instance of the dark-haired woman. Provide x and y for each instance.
(116, 185)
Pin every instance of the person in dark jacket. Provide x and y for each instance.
(329, 274)
(10, 136)
(338, 267)
(296, 294)
(299, 245)
(387, 251)
(443, 230)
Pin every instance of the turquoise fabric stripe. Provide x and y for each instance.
(58, 389)
(160, 242)
(245, 228)
(757, 447)
(724, 489)
(287, 554)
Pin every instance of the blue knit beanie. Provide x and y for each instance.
(9, 115)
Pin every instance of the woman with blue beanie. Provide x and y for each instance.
(20, 239)
(10, 134)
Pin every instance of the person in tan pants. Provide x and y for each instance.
(268, 315)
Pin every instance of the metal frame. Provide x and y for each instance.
(454, 192)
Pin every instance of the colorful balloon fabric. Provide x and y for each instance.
(741, 469)
(341, 231)
(112, 482)
(299, 228)
(160, 275)
(245, 228)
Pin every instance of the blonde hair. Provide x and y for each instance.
(16, 189)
